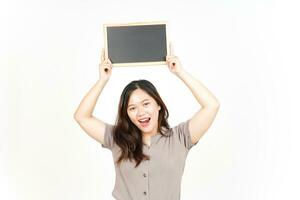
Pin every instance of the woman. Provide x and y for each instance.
(149, 156)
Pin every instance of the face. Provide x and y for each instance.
(143, 111)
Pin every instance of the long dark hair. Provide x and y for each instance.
(126, 134)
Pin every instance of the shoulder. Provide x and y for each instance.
(182, 133)
(108, 136)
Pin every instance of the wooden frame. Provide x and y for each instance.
(105, 26)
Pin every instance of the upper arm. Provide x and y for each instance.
(201, 122)
(93, 127)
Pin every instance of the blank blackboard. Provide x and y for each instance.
(136, 43)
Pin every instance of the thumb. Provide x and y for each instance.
(171, 48)
(103, 54)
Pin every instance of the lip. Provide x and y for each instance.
(144, 118)
(147, 123)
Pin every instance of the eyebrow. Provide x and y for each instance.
(141, 101)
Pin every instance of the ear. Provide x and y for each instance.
(159, 107)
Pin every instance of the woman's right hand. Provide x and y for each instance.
(105, 67)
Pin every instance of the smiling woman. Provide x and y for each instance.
(141, 114)
(149, 155)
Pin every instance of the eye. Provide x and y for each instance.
(131, 108)
(147, 103)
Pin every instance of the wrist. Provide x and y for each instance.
(181, 73)
(102, 81)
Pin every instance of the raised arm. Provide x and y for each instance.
(203, 118)
(84, 114)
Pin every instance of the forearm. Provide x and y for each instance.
(200, 92)
(88, 103)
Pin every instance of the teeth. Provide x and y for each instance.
(144, 120)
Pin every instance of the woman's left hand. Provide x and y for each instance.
(173, 62)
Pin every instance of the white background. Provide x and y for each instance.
(245, 52)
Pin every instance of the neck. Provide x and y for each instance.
(150, 134)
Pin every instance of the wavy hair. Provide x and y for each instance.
(126, 134)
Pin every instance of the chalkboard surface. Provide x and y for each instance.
(136, 43)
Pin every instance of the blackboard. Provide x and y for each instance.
(142, 43)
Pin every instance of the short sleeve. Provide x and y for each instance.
(108, 136)
(183, 133)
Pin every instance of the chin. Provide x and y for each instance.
(147, 130)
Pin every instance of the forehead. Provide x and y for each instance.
(138, 95)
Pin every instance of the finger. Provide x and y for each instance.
(173, 63)
(171, 48)
(107, 66)
(102, 54)
(107, 61)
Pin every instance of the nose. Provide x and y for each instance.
(140, 112)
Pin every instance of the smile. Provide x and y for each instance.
(145, 121)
